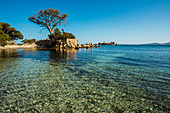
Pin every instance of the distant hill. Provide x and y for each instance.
(168, 43)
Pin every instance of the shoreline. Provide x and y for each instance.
(19, 46)
(42, 47)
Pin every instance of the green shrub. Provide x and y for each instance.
(29, 41)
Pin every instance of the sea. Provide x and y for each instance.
(110, 79)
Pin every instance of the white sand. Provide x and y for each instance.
(19, 46)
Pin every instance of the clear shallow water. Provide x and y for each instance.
(106, 79)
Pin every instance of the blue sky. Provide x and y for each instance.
(122, 21)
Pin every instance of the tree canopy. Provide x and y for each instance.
(8, 33)
(68, 35)
(49, 18)
(11, 31)
(3, 38)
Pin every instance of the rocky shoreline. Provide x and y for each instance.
(78, 46)
(87, 45)
(49, 44)
(71, 43)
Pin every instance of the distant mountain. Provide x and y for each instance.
(168, 43)
(154, 44)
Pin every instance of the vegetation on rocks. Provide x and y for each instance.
(29, 41)
(49, 19)
(58, 36)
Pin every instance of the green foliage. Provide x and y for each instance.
(4, 27)
(57, 35)
(52, 36)
(3, 38)
(11, 31)
(29, 41)
(68, 35)
(14, 34)
(49, 18)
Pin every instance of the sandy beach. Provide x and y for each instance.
(19, 46)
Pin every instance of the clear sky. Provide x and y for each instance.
(122, 21)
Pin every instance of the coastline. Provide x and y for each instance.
(88, 45)
(19, 46)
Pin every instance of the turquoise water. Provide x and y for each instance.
(108, 79)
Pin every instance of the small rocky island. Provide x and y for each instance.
(56, 39)
(68, 43)
(110, 43)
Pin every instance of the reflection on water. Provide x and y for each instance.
(7, 53)
(85, 80)
(63, 54)
(48, 54)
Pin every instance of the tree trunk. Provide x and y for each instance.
(48, 27)
(52, 29)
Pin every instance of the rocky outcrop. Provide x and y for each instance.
(87, 45)
(110, 43)
(70, 43)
